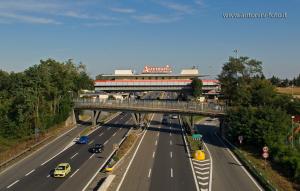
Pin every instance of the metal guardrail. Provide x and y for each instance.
(150, 105)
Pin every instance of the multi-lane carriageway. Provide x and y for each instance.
(33, 173)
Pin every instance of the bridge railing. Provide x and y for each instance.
(153, 104)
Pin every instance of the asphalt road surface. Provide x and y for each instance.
(228, 174)
(84, 164)
(161, 162)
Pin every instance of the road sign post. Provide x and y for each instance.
(241, 138)
(265, 155)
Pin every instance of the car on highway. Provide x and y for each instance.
(62, 170)
(96, 148)
(174, 116)
(83, 140)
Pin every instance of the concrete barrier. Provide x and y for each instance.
(106, 182)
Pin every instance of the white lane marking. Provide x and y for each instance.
(153, 154)
(204, 189)
(202, 178)
(171, 154)
(199, 161)
(170, 134)
(92, 156)
(30, 172)
(199, 164)
(74, 173)
(211, 166)
(91, 142)
(206, 168)
(48, 176)
(157, 134)
(171, 142)
(100, 134)
(105, 142)
(74, 155)
(15, 182)
(171, 172)
(203, 183)
(202, 173)
(114, 134)
(149, 173)
(233, 156)
(134, 154)
(155, 142)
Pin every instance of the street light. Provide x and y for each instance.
(293, 131)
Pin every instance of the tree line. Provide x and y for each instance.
(259, 114)
(276, 81)
(39, 97)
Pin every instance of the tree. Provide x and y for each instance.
(197, 87)
(275, 81)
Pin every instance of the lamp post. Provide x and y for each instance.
(293, 131)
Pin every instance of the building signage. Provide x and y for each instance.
(157, 70)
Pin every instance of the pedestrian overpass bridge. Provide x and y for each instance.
(138, 107)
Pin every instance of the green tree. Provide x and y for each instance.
(197, 87)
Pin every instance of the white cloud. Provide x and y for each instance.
(153, 18)
(199, 2)
(122, 10)
(28, 19)
(178, 7)
(28, 6)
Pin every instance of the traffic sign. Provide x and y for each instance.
(265, 149)
(265, 155)
(196, 136)
(241, 138)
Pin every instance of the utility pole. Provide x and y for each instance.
(293, 131)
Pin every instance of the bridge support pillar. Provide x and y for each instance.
(137, 118)
(76, 113)
(96, 114)
(193, 130)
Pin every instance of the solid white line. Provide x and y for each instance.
(211, 167)
(171, 142)
(74, 155)
(30, 172)
(203, 183)
(233, 156)
(149, 173)
(105, 142)
(100, 134)
(134, 154)
(171, 172)
(74, 173)
(92, 156)
(202, 178)
(15, 182)
(153, 154)
(203, 164)
(114, 134)
(206, 168)
(155, 142)
(171, 154)
(202, 173)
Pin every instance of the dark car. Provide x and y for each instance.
(83, 140)
(97, 148)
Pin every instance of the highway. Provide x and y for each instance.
(161, 161)
(228, 174)
(84, 164)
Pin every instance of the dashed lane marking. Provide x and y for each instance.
(171, 143)
(74, 173)
(114, 134)
(92, 156)
(171, 172)
(74, 155)
(15, 182)
(171, 154)
(105, 142)
(30, 172)
(153, 154)
(91, 142)
(100, 134)
(155, 142)
(48, 176)
(149, 173)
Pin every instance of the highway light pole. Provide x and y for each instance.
(293, 131)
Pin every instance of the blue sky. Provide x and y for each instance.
(121, 34)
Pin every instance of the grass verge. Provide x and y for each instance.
(194, 144)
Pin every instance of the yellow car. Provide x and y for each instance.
(62, 170)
